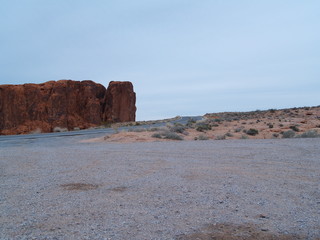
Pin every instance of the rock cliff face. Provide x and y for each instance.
(120, 102)
(64, 104)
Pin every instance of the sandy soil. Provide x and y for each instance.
(233, 125)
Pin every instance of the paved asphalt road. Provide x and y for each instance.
(84, 134)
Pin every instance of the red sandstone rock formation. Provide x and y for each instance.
(65, 104)
(120, 102)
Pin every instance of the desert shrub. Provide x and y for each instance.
(167, 135)
(275, 135)
(294, 128)
(281, 125)
(185, 133)
(228, 134)
(244, 137)
(221, 137)
(156, 135)
(202, 137)
(252, 132)
(270, 125)
(288, 134)
(218, 120)
(202, 126)
(238, 130)
(309, 134)
(154, 129)
(171, 135)
(169, 125)
(191, 123)
(178, 128)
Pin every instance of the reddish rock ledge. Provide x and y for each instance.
(64, 104)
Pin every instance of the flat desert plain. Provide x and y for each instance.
(66, 188)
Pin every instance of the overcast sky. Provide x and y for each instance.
(183, 57)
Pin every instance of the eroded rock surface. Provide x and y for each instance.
(120, 102)
(64, 104)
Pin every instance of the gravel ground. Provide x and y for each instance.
(60, 188)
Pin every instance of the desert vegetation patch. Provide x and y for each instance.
(269, 124)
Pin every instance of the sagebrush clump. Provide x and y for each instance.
(288, 134)
(178, 128)
(203, 126)
(252, 132)
(201, 137)
(167, 135)
(309, 134)
(221, 137)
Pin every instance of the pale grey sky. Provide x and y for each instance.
(183, 57)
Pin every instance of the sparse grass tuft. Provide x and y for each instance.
(156, 135)
(238, 130)
(201, 137)
(171, 135)
(167, 135)
(178, 128)
(309, 134)
(191, 122)
(203, 126)
(228, 134)
(244, 137)
(221, 137)
(288, 134)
